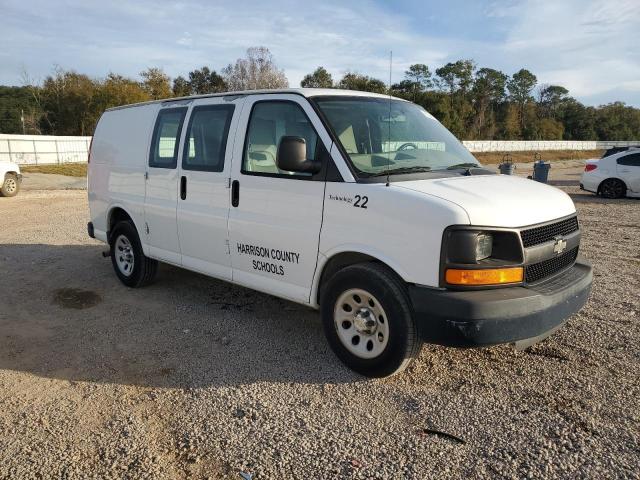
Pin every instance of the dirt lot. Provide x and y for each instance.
(196, 378)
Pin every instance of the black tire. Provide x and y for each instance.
(403, 343)
(613, 188)
(144, 269)
(10, 185)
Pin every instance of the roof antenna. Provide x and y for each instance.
(389, 118)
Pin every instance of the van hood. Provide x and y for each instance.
(498, 200)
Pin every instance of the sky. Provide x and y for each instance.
(590, 47)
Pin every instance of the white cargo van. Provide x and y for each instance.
(359, 205)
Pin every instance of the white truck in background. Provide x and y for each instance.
(11, 179)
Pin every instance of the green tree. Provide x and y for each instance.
(472, 104)
(17, 103)
(488, 92)
(511, 128)
(416, 79)
(205, 81)
(320, 78)
(156, 83)
(363, 83)
(520, 86)
(116, 90)
(181, 87)
(617, 121)
(550, 98)
(68, 102)
(549, 129)
(578, 120)
(456, 76)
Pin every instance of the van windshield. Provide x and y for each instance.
(381, 135)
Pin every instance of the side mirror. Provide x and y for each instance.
(292, 156)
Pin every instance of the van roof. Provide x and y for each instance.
(305, 92)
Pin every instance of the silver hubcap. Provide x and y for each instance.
(123, 252)
(361, 323)
(10, 185)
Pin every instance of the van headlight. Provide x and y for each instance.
(481, 257)
(469, 246)
(484, 246)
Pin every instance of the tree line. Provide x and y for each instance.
(474, 103)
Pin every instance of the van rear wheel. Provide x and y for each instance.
(132, 267)
(368, 320)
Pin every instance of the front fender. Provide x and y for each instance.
(6, 167)
(325, 257)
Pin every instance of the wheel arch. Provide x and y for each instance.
(334, 261)
(598, 190)
(118, 213)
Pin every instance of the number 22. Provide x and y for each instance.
(364, 200)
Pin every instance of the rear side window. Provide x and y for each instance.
(632, 160)
(270, 121)
(206, 139)
(166, 137)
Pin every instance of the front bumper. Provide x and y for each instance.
(477, 318)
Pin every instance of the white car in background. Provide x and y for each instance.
(613, 176)
(11, 179)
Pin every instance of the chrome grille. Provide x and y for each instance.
(540, 270)
(537, 235)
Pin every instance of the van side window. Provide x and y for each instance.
(166, 136)
(206, 139)
(269, 122)
(631, 160)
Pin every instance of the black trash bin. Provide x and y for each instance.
(541, 170)
(507, 167)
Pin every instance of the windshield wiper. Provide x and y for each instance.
(397, 171)
(463, 165)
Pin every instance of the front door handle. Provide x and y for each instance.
(183, 188)
(235, 193)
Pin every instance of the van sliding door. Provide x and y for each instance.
(161, 191)
(203, 200)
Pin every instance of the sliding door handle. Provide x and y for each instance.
(235, 193)
(183, 188)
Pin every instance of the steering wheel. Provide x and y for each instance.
(407, 145)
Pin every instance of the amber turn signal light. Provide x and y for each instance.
(489, 276)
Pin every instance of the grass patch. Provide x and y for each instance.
(492, 158)
(69, 169)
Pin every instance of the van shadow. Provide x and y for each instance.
(65, 315)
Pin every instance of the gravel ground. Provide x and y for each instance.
(195, 378)
(47, 181)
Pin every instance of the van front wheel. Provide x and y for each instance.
(368, 321)
(132, 267)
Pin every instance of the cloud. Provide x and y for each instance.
(185, 40)
(588, 46)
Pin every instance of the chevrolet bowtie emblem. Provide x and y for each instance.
(560, 245)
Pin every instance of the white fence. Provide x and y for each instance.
(42, 149)
(539, 145)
